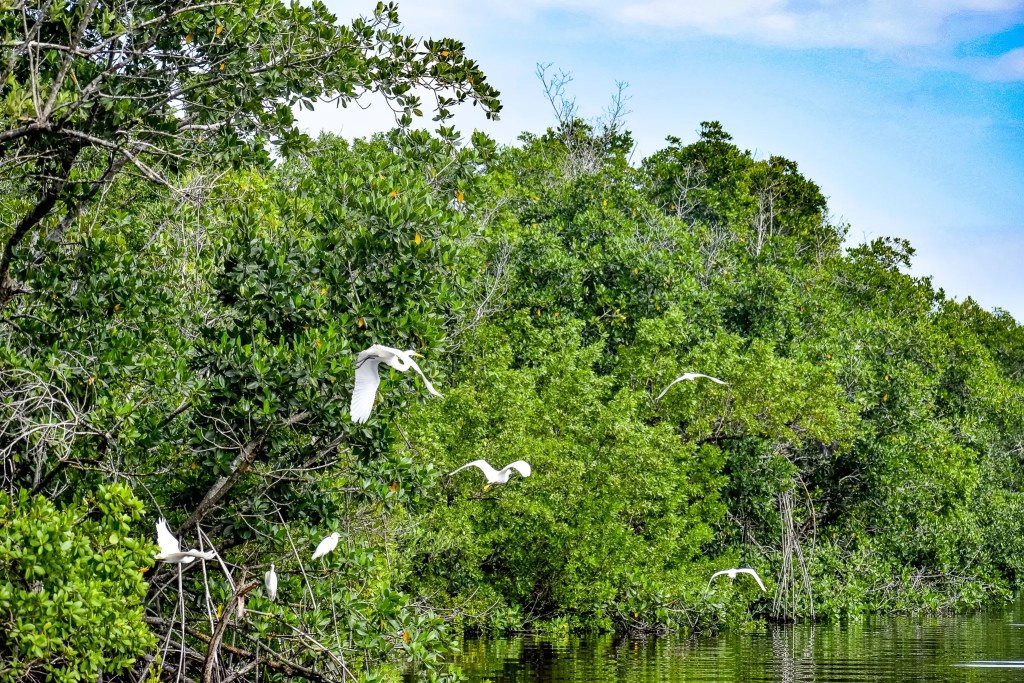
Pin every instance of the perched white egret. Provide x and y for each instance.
(501, 476)
(689, 376)
(170, 550)
(270, 583)
(327, 545)
(368, 379)
(731, 573)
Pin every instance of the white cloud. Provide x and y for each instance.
(870, 24)
(1007, 67)
(919, 32)
(881, 25)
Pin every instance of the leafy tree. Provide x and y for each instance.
(852, 429)
(72, 588)
(232, 370)
(152, 86)
(197, 346)
(607, 528)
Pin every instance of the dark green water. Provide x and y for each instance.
(979, 647)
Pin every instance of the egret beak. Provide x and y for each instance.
(418, 355)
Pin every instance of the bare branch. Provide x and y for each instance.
(239, 466)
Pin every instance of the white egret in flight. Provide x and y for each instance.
(170, 550)
(731, 573)
(368, 379)
(689, 376)
(270, 583)
(501, 476)
(327, 545)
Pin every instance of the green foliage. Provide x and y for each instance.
(624, 506)
(72, 589)
(163, 87)
(199, 347)
(854, 389)
(173, 355)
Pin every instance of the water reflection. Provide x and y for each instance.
(981, 647)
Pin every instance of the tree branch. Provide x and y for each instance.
(222, 624)
(239, 466)
(58, 82)
(43, 207)
(283, 665)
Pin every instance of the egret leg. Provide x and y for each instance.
(181, 604)
(298, 559)
(167, 640)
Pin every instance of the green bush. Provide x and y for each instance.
(71, 587)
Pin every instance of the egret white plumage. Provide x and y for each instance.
(368, 379)
(689, 376)
(501, 476)
(327, 545)
(170, 549)
(270, 583)
(731, 573)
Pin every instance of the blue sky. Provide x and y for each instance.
(908, 113)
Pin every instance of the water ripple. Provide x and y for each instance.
(984, 647)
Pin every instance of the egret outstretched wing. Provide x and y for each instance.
(501, 476)
(165, 539)
(731, 573)
(716, 575)
(368, 378)
(416, 367)
(688, 376)
(170, 549)
(490, 473)
(746, 570)
(520, 466)
(365, 391)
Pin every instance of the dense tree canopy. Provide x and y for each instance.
(184, 347)
(151, 87)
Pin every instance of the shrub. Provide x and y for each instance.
(71, 586)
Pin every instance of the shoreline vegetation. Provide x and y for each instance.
(181, 311)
